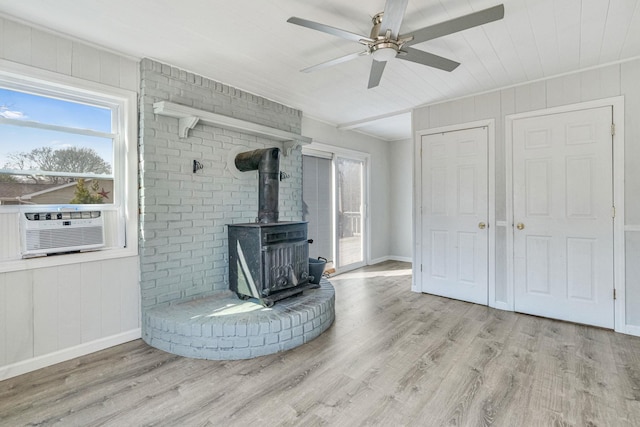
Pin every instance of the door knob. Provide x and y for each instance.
(481, 225)
(520, 226)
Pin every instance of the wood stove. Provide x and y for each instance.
(268, 260)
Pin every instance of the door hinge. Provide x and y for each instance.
(613, 129)
(614, 293)
(613, 211)
(420, 268)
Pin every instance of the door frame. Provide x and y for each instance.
(416, 284)
(335, 151)
(617, 104)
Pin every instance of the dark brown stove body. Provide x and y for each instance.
(268, 261)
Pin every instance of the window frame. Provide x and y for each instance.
(125, 158)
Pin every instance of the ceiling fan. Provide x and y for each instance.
(385, 42)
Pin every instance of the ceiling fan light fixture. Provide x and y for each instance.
(385, 52)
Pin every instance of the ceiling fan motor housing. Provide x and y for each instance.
(384, 48)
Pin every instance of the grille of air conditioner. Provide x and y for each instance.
(53, 232)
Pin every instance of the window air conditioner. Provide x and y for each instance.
(53, 232)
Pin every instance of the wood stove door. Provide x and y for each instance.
(286, 265)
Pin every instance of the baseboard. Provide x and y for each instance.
(390, 258)
(632, 330)
(500, 306)
(45, 360)
(401, 258)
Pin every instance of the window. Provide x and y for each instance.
(66, 144)
(55, 147)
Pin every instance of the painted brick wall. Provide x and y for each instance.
(183, 240)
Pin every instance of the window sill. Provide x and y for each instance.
(66, 259)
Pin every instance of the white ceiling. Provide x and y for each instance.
(249, 45)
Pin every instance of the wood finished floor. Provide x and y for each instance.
(391, 358)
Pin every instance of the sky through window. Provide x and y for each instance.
(47, 110)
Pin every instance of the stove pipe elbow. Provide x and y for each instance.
(267, 162)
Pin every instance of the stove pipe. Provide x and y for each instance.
(267, 162)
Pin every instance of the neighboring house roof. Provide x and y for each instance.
(50, 188)
(13, 190)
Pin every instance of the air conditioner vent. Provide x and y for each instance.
(53, 232)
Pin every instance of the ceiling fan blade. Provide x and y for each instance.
(457, 24)
(428, 59)
(327, 29)
(334, 61)
(392, 18)
(377, 67)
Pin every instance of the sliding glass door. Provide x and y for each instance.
(334, 183)
(317, 194)
(350, 224)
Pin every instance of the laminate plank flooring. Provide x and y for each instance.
(391, 358)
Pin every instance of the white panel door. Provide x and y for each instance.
(563, 225)
(455, 214)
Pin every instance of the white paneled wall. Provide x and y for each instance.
(630, 88)
(30, 46)
(50, 313)
(598, 83)
(10, 232)
(400, 176)
(17, 311)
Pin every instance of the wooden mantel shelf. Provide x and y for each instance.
(189, 117)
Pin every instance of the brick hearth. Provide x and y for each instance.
(223, 327)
